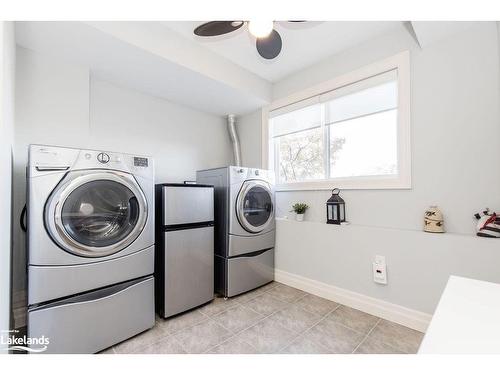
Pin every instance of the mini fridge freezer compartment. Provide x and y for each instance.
(182, 204)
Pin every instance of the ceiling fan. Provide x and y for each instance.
(268, 41)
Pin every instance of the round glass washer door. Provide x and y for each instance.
(96, 214)
(254, 206)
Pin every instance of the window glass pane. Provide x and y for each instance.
(366, 101)
(300, 156)
(301, 119)
(365, 146)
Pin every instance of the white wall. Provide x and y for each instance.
(52, 107)
(455, 143)
(7, 69)
(180, 139)
(60, 104)
(250, 132)
(455, 131)
(418, 263)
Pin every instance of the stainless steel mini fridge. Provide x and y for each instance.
(184, 263)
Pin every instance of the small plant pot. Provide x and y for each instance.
(299, 217)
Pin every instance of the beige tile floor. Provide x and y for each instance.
(273, 319)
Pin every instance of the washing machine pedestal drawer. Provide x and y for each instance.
(46, 283)
(245, 273)
(91, 322)
(241, 245)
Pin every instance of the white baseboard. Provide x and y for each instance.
(395, 313)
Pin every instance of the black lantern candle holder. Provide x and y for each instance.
(335, 208)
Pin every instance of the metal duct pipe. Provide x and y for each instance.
(231, 128)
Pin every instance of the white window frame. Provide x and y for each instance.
(402, 180)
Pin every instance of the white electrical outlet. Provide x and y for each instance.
(380, 270)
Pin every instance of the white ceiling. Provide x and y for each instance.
(303, 43)
(217, 75)
(429, 32)
(148, 57)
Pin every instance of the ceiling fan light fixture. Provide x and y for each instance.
(260, 29)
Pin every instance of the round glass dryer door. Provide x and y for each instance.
(254, 206)
(97, 215)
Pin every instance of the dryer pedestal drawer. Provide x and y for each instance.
(239, 245)
(91, 322)
(245, 273)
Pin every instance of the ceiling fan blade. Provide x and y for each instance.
(214, 28)
(269, 47)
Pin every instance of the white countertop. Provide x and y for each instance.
(466, 321)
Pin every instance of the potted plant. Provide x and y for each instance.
(300, 210)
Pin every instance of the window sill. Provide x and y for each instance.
(359, 183)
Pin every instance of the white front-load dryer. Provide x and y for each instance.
(251, 211)
(90, 247)
(245, 227)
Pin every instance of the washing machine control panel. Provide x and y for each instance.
(49, 159)
(140, 162)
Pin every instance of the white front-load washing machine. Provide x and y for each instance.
(90, 247)
(244, 227)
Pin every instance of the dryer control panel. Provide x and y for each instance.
(238, 174)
